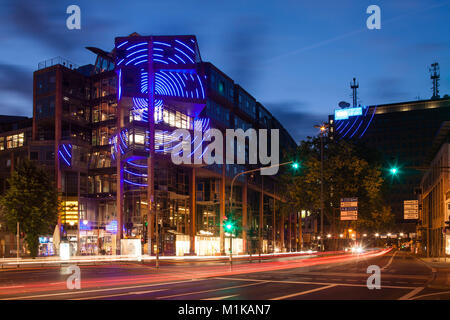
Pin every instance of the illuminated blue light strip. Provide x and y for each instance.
(137, 45)
(134, 183)
(67, 151)
(346, 124)
(180, 58)
(362, 120)
(182, 52)
(181, 79)
(138, 57)
(120, 83)
(162, 43)
(64, 158)
(185, 46)
(168, 84)
(354, 121)
(158, 60)
(123, 43)
(340, 124)
(180, 86)
(136, 165)
(134, 52)
(370, 121)
(140, 61)
(142, 175)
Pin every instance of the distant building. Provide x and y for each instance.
(403, 133)
(435, 197)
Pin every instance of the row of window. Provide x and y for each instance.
(217, 112)
(247, 104)
(12, 141)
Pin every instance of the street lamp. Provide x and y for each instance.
(323, 128)
(295, 165)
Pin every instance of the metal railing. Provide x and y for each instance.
(57, 60)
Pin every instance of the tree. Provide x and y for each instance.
(349, 171)
(31, 200)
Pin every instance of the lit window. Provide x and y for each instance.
(139, 139)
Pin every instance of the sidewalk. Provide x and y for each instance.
(441, 272)
(41, 261)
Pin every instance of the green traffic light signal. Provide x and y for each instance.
(295, 165)
(394, 171)
(229, 226)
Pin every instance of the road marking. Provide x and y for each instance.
(390, 261)
(430, 294)
(119, 294)
(89, 291)
(211, 290)
(308, 282)
(221, 298)
(362, 275)
(411, 294)
(303, 292)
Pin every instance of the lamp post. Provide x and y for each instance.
(294, 164)
(18, 239)
(323, 128)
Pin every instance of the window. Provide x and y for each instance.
(15, 141)
(2, 143)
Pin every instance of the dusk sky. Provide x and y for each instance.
(296, 57)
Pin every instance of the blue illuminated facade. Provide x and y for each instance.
(93, 129)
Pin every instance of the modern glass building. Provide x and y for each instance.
(403, 133)
(103, 131)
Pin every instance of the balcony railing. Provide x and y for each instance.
(58, 60)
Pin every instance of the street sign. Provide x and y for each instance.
(349, 209)
(411, 209)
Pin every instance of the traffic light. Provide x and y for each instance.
(295, 165)
(394, 171)
(229, 224)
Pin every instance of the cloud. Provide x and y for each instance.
(45, 23)
(16, 79)
(299, 123)
(244, 46)
(388, 89)
(426, 47)
(16, 89)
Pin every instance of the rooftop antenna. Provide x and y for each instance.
(354, 87)
(435, 76)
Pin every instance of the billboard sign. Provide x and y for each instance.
(411, 209)
(344, 114)
(349, 209)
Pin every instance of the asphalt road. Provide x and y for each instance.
(339, 277)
